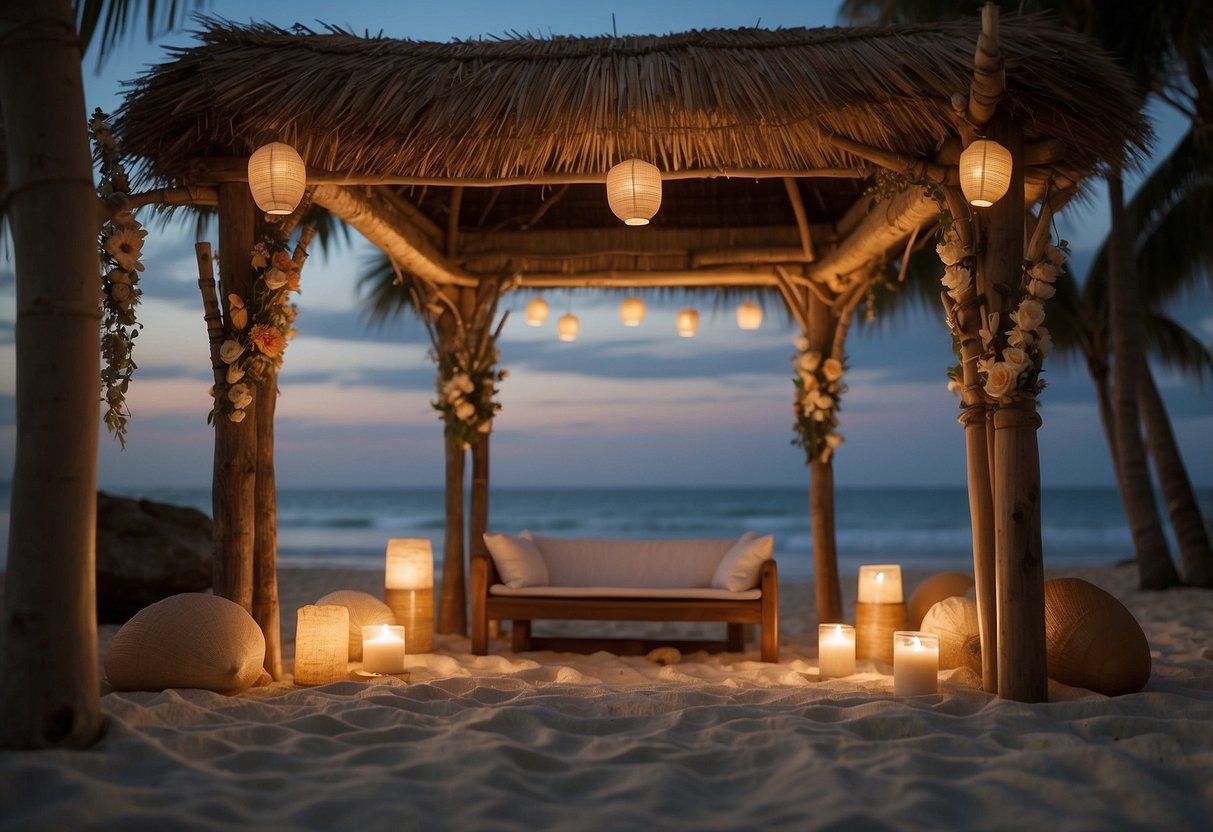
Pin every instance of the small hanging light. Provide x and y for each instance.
(688, 322)
(277, 177)
(749, 315)
(536, 312)
(567, 327)
(985, 172)
(634, 191)
(631, 310)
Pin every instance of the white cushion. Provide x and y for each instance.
(518, 560)
(622, 592)
(741, 567)
(649, 564)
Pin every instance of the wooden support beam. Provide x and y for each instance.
(826, 586)
(884, 226)
(452, 223)
(989, 76)
(802, 219)
(205, 171)
(649, 280)
(382, 222)
(922, 168)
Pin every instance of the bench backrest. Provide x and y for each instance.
(655, 564)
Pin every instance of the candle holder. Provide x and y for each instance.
(408, 588)
(915, 663)
(322, 644)
(383, 649)
(835, 650)
(880, 611)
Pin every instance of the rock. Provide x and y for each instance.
(148, 551)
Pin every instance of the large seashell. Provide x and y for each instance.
(933, 590)
(954, 620)
(364, 609)
(1092, 640)
(187, 641)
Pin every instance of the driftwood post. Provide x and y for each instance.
(452, 596)
(827, 588)
(48, 664)
(233, 483)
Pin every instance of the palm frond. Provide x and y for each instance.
(1177, 347)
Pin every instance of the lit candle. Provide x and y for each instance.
(915, 663)
(880, 584)
(383, 648)
(836, 650)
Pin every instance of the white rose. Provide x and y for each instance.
(1044, 341)
(808, 381)
(275, 279)
(230, 351)
(1000, 381)
(957, 279)
(810, 399)
(1055, 255)
(463, 382)
(465, 410)
(819, 416)
(954, 386)
(832, 369)
(825, 402)
(1031, 314)
(951, 251)
(809, 361)
(833, 440)
(1040, 289)
(802, 344)
(485, 427)
(236, 415)
(234, 373)
(1016, 359)
(240, 396)
(1044, 272)
(1018, 338)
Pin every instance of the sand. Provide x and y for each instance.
(556, 741)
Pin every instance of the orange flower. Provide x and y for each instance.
(292, 281)
(283, 261)
(267, 339)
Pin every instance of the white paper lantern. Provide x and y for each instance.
(277, 177)
(322, 644)
(536, 312)
(631, 310)
(567, 327)
(749, 315)
(985, 172)
(634, 191)
(688, 322)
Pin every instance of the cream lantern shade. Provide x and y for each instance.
(322, 644)
(985, 172)
(408, 588)
(634, 191)
(749, 315)
(631, 310)
(688, 322)
(410, 564)
(277, 177)
(567, 327)
(536, 312)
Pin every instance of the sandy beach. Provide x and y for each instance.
(557, 741)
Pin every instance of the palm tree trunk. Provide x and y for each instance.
(1103, 397)
(1194, 549)
(48, 663)
(452, 598)
(1154, 567)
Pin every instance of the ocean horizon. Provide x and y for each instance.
(919, 527)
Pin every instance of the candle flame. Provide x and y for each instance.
(386, 632)
(879, 577)
(838, 630)
(917, 643)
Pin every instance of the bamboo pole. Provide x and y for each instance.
(234, 478)
(989, 77)
(210, 306)
(48, 632)
(265, 538)
(827, 587)
(802, 218)
(452, 596)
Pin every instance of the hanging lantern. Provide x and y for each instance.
(632, 311)
(277, 178)
(567, 327)
(634, 191)
(536, 312)
(688, 322)
(749, 315)
(985, 172)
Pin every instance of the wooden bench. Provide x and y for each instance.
(523, 609)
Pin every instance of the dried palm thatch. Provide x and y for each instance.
(522, 107)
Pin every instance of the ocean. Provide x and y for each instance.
(920, 527)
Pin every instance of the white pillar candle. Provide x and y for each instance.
(836, 650)
(383, 648)
(880, 584)
(915, 663)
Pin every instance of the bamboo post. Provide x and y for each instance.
(210, 308)
(235, 470)
(452, 607)
(827, 588)
(265, 537)
(48, 632)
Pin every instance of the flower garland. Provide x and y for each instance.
(1011, 361)
(120, 245)
(261, 325)
(818, 390)
(466, 385)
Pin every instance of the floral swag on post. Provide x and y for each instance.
(120, 245)
(818, 390)
(1012, 361)
(261, 326)
(467, 387)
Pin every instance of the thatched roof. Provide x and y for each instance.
(705, 100)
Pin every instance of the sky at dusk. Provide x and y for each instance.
(619, 406)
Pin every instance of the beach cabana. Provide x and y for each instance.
(794, 162)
